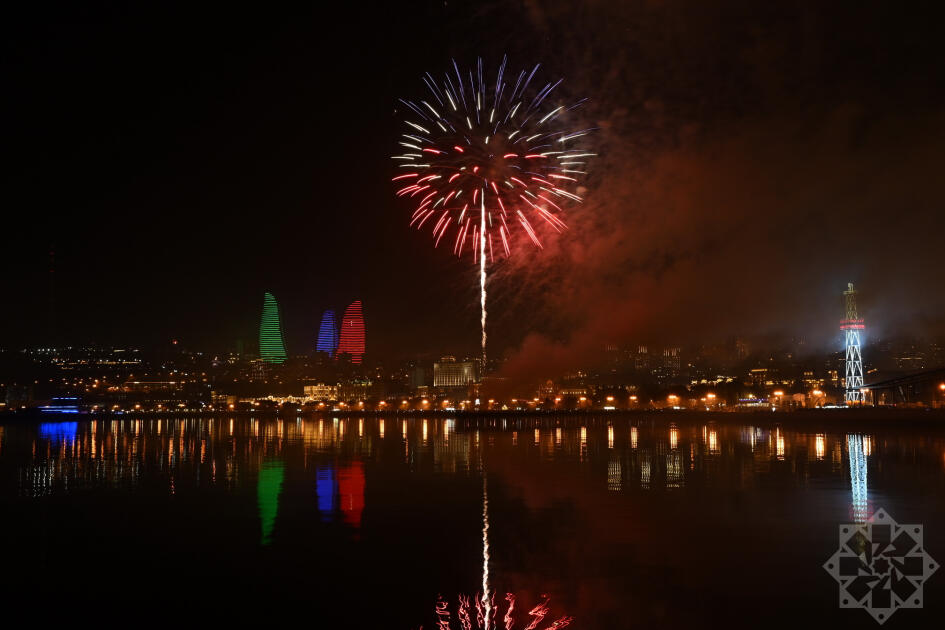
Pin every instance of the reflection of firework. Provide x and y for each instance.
(489, 163)
(471, 613)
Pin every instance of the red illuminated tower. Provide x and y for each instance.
(352, 333)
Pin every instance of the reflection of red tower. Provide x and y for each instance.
(352, 333)
(351, 492)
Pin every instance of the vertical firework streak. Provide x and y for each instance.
(502, 149)
(482, 283)
(486, 594)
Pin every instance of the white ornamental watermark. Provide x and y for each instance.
(881, 566)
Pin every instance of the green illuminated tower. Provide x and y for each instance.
(271, 339)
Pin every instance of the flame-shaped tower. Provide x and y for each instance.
(271, 338)
(328, 334)
(352, 333)
(851, 327)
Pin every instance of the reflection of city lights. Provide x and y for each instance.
(713, 441)
(380, 427)
(633, 437)
(779, 444)
(820, 446)
(673, 437)
(610, 436)
(536, 437)
(424, 430)
(558, 435)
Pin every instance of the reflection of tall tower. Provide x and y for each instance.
(351, 492)
(271, 338)
(352, 333)
(857, 453)
(851, 326)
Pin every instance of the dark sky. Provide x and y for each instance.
(755, 157)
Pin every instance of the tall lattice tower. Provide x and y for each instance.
(851, 327)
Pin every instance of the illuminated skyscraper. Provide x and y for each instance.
(450, 373)
(851, 326)
(328, 334)
(271, 338)
(352, 333)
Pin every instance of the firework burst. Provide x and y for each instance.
(492, 163)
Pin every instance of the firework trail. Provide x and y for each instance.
(489, 162)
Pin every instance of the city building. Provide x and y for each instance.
(356, 390)
(450, 373)
(271, 337)
(328, 334)
(320, 391)
(351, 341)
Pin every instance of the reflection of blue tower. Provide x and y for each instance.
(857, 454)
(327, 489)
(328, 334)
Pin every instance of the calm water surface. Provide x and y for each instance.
(625, 522)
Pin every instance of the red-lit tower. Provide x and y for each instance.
(352, 333)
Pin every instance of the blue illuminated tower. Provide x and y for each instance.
(851, 327)
(328, 334)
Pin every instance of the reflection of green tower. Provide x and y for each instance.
(267, 491)
(271, 339)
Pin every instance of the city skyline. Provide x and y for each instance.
(548, 314)
(686, 214)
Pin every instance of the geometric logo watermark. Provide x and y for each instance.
(881, 566)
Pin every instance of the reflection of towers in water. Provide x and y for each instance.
(851, 327)
(325, 488)
(856, 451)
(351, 492)
(268, 489)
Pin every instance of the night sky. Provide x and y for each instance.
(180, 160)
